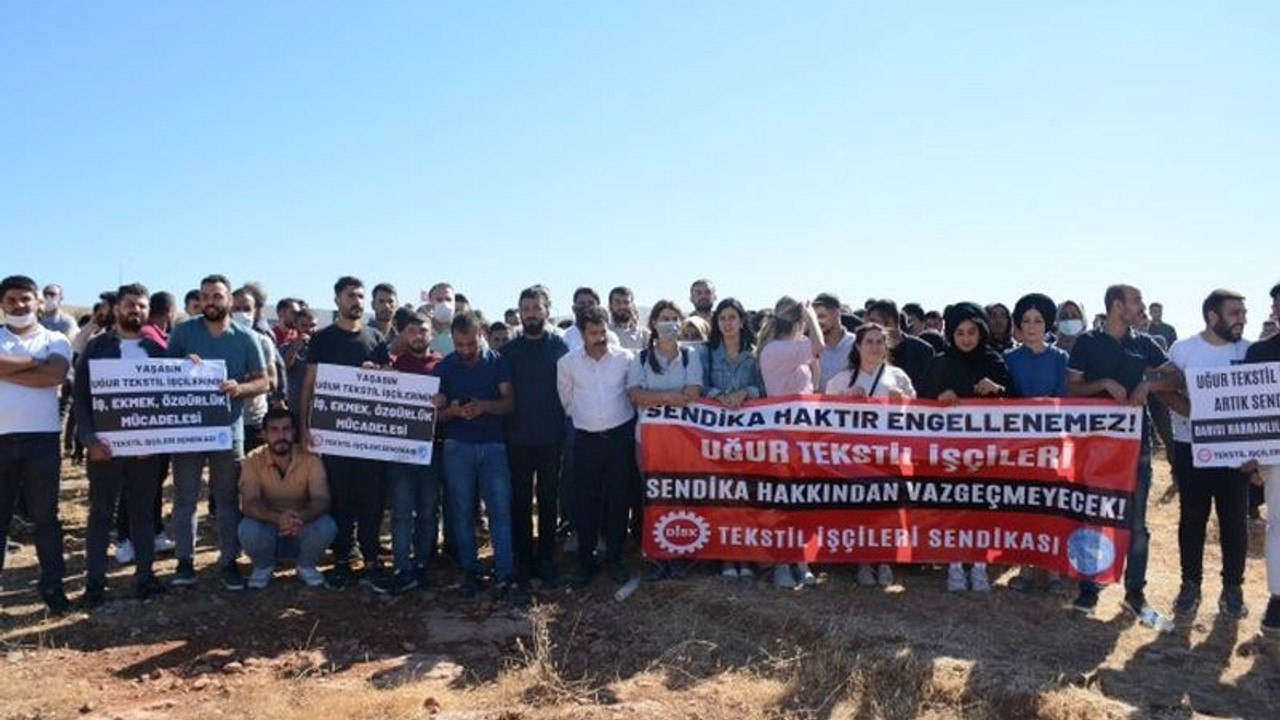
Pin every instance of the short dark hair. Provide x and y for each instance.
(913, 310)
(191, 296)
(594, 315)
(884, 306)
(385, 287)
(933, 315)
(460, 298)
(19, 282)
(283, 303)
(405, 317)
(465, 324)
(161, 303)
(701, 281)
(1275, 292)
(827, 300)
(308, 312)
(345, 282)
(109, 297)
(1115, 293)
(215, 278)
(536, 292)
(135, 289)
(584, 290)
(498, 327)
(1216, 300)
(279, 413)
(621, 290)
(258, 292)
(1155, 305)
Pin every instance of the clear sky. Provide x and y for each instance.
(924, 151)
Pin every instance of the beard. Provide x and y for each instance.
(355, 312)
(1229, 333)
(130, 323)
(620, 319)
(281, 447)
(214, 313)
(532, 326)
(702, 306)
(418, 347)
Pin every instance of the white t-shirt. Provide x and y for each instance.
(1194, 352)
(26, 409)
(132, 349)
(893, 378)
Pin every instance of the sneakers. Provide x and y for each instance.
(124, 552)
(1085, 602)
(729, 572)
(230, 576)
(164, 544)
(339, 576)
(260, 578)
(1147, 616)
(1188, 599)
(310, 576)
(1271, 618)
(978, 581)
(956, 581)
(884, 575)
(807, 577)
(95, 596)
(376, 580)
(782, 576)
(404, 582)
(185, 575)
(56, 601)
(147, 587)
(866, 576)
(1231, 602)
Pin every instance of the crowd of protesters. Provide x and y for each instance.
(537, 440)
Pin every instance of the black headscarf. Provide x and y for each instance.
(1048, 309)
(959, 371)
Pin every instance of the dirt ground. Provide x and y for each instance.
(703, 648)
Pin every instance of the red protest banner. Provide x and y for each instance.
(825, 479)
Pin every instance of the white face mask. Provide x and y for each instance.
(52, 304)
(21, 322)
(244, 318)
(443, 311)
(1070, 327)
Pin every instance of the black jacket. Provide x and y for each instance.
(103, 347)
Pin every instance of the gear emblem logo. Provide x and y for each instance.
(681, 532)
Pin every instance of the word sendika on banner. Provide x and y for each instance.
(1235, 414)
(823, 479)
(157, 405)
(373, 414)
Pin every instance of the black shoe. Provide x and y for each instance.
(185, 575)
(618, 573)
(580, 579)
(231, 578)
(548, 575)
(1188, 600)
(513, 593)
(56, 600)
(95, 596)
(404, 582)
(420, 575)
(469, 587)
(147, 587)
(1271, 618)
(377, 581)
(1231, 602)
(1085, 602)
(339, 576)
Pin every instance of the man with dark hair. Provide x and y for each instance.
(286, 328)
(214, 336)
(1159, 328)
(476, 394)
(584, 298)
(836, 340)
(294, 353)
(244, 312)
(111, 476)
(511, 316)
(355, 484)
(1126, 366)
(702, 295)
(498, 336)
(624, 320)
(535, 438)
(914, 315)
(285, 499)
(1220, 344)
(33, 363)
(384, 309)
(254, 289)
(102, 319)
(160, 318)
(1268, 476)
(908, 352)
(441, 309)
(591, 382)
(191, 306)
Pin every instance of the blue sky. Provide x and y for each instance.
(924, 151)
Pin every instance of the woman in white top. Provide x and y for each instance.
(870, 375)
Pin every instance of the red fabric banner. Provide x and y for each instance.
(824, 479)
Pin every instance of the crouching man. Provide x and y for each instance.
(284, 496)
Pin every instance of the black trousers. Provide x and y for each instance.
(534, 466)
(603, 466)
(124, 524)
(30, 463)
(115, 482)
(357, 493)
(1227, 491)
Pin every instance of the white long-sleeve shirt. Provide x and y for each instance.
(594, 392)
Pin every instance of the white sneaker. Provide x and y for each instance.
(978, 578)
(260, 578)
(124, 552)
(884, 576)
(956, 579)
(164, 544)
(866, 576)
(310, 576)
(807, 578)
(782, 576)
(746, 573)
(729, 572)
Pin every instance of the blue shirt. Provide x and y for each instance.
(1042, 374)
(462, 382)
(723, 376)
(237, 346)
(538, 418)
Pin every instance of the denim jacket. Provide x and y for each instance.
(720, 376)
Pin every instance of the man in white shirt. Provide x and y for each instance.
(33, 363)
(592, 384)
(625, 323)
(584, 298)
(1220, 344)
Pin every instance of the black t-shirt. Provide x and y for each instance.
(1100, 356)
(1264, 351)
(913, 355)
(335, 346)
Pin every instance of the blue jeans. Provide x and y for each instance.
(1135, 571)
(262, 541)
(415, 493)
(469, 467)
(224, 482)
